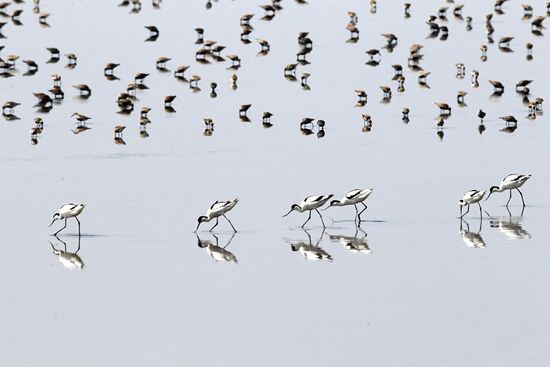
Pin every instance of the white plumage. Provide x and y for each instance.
(310, 252)
(68, 211)
(510, 182)
(471, 197)
(217, 253)
(216, 210)
(354, 197)
(310, 203)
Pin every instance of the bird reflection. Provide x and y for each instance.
(471, 239)
(311, 252)
(510, 226)
(70, 260)
(354, 244)
(217, 252)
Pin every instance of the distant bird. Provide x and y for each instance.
(481, 114)
(310, 203)
(460, 97)
(80, 118)
(9, 106)
(498, 86)
(471, 197)
(405, 112)
(68, 211)
(168, 101)
(216, 210)
(180, 71)
(504, 42)
(386, 91)
(83, 89)
(354, 197)
(118, 130)
(54, 52)
(266, 118)
(144, 111)
(444, 108)
(31, 64)
(306, 121)
(509, 120)
(109, 68)
(153, 30)
(510, 182)
(243, 110)
(140, 77)
(161, 63)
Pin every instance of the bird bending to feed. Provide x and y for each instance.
(218, 209)
(510, 182)
(68, 211)
(311, 203)
(471, 197)
(354, 197)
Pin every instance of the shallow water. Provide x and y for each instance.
(431, 291)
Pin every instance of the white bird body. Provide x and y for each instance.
(68, 211)
(219, 208)
(313, 202)
(472, 197)
(310, 203)
(510, 182)
(216, 210)
(354, 197)
(310, 252)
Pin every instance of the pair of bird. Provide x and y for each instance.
(510, 182)
(313, 203)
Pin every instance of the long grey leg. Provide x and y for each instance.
(214, 225)
(308, 218)
(361, 212)
(65, 226)
(320, 216)
(229, 222)
(510, 198)
(480, 211)
(523, 202)
(78, 225)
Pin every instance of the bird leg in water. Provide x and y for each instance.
(78, 226)
(65, 226)
(229, 222)
(523, 202)
(480, 211)
(214, 225)
(308, 218)
(320, 216)
(510, 198)
(361, 212)
(467, 210)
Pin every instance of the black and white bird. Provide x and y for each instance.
(218, 209)
(354, 197)
(68, 211)
(471, 197)
(510, 182)
(311, 203)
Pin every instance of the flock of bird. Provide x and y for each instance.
(211, 51)
(311, 203)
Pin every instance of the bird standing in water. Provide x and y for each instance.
(68, 211)
(218, 209)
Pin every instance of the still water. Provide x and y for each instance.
(413, 286)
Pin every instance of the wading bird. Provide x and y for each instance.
(310, 203)
(510, 182)
(354, 197)
(68, 211)
(471, 197)
(218, 209)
